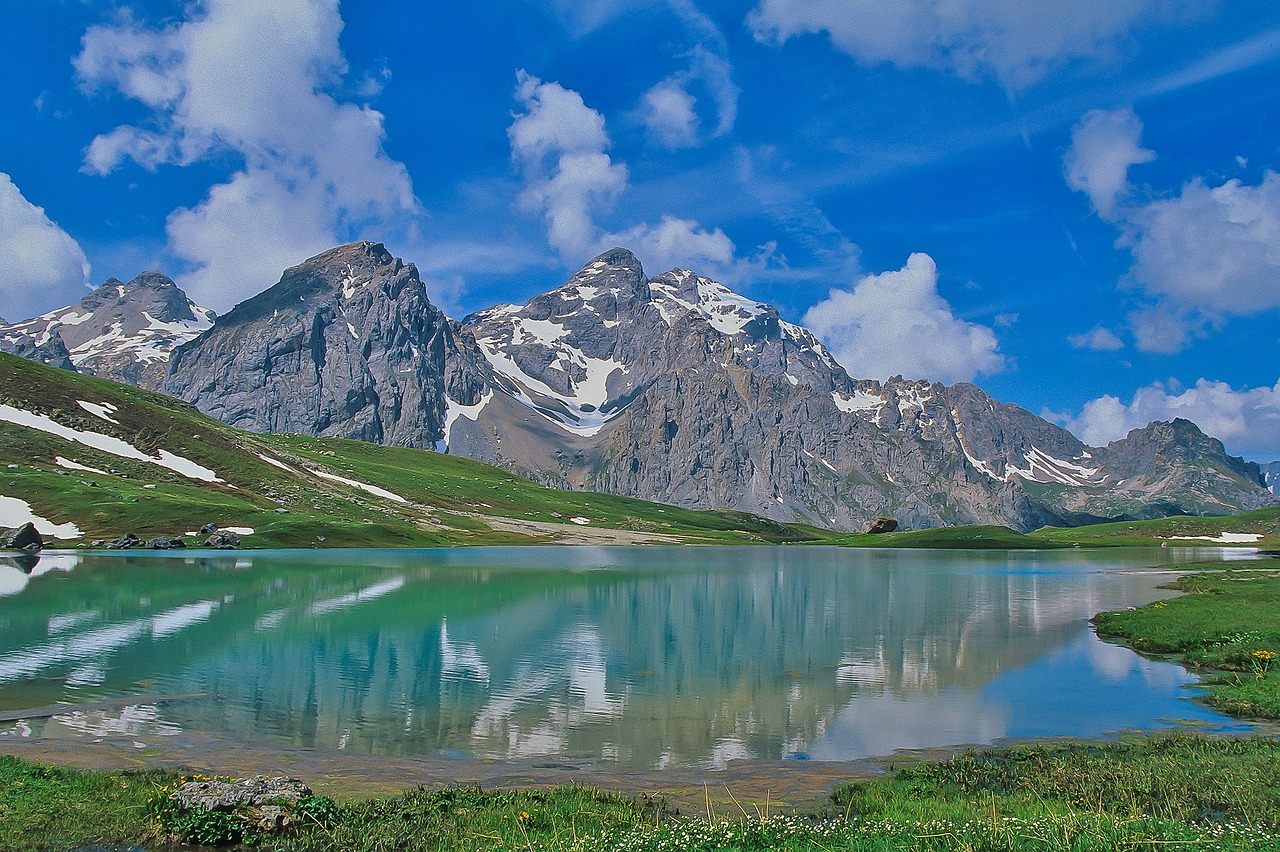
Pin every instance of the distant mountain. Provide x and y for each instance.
(119, 331)
(673, 389)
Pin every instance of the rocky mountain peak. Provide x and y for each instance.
(346, 344)
(123, 331)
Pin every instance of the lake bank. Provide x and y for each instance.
(1140, 788)
(1209, 792)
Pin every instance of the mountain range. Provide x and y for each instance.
(673, 389)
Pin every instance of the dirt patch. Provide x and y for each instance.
(782, 787)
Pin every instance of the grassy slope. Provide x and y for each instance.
(1265, 522)
(450, 500)
(1227, 622)
(1178, 531)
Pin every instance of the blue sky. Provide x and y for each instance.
(1076, 205)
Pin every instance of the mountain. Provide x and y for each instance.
(673, 389)
(120, 331)
(346, 345)
(677, 389)
(86, 458)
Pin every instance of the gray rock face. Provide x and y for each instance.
(1271, 477)
(346, 345)
(47, 349)
(678, 390)
(120, 331)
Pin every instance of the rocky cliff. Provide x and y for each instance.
(347, 345)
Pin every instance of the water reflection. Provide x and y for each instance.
(637, 656)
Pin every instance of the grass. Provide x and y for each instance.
(1193, 529)
(1213, 793)
(966, 538)
(1227, 622)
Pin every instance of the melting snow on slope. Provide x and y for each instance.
(363, 486)
(15, 512)
(275, 463)
(1223, 538)
(70, 465)
(107, 444)
(103, 411)
(858, 402)
(454, 410)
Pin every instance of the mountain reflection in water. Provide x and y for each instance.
(643, 657)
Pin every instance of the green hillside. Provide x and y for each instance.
(297, 498)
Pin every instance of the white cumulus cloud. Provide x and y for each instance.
(897, 323)
(1014, 41)
(1246, 421)
(44, 267)
(668, 114)
(1211, 247)
(1104, 144)
(1200, 256)
(251, 80)
(669, 110)
(560, 146)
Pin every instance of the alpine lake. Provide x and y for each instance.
(636, 658)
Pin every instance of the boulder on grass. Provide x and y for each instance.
(223, 540)
(260, 802)
(881, 524)
(25, 537)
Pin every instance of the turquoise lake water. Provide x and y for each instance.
(630, 656)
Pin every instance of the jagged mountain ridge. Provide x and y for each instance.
(674, 389)
(118, 331)
(677, 389)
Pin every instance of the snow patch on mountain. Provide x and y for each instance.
(354, 483)
(106, 443)
(1042, 467)
(859, 401)
(680, 292)
(454, 410)
(103, 411)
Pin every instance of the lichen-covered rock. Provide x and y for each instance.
(223, 540)
(251, 792)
